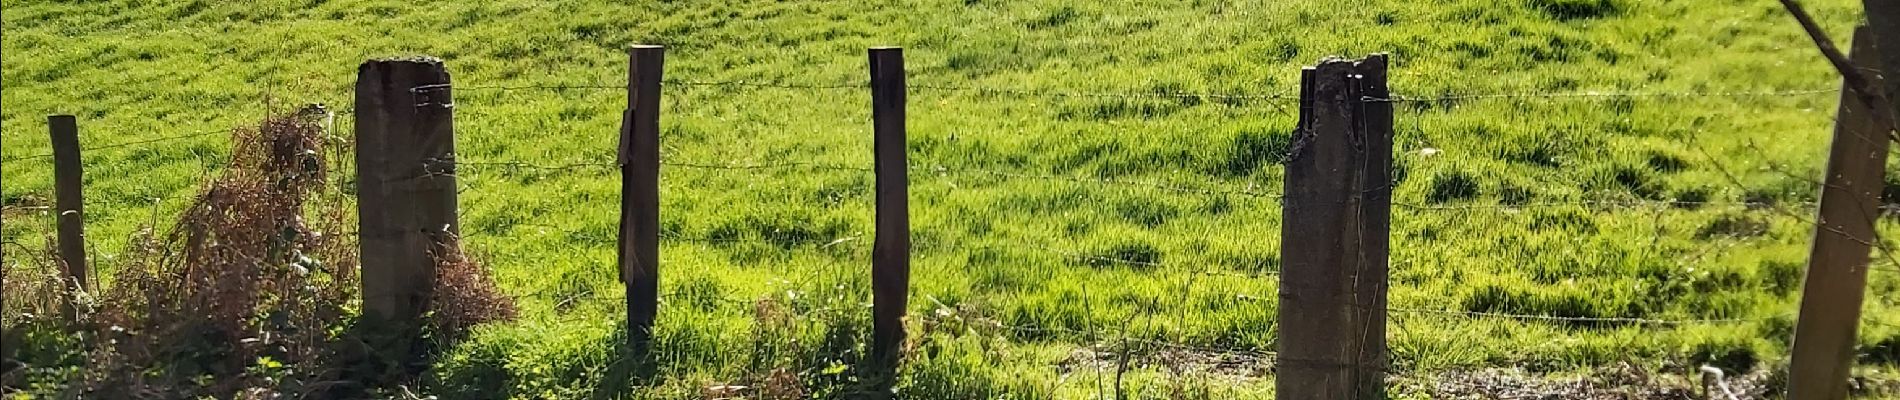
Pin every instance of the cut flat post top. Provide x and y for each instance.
(890, 255)
(1337, 213)
(405, 166)
(68, 176)
(1836, 281)
(640, 190)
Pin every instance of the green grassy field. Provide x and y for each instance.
(1012, 296)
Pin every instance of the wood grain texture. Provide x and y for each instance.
(1836, 281)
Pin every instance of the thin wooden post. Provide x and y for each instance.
(406, 197)
(1836, 281)
(68, 177)
(640, 191)
(890, 255)
(1334, 238)
(6, 352)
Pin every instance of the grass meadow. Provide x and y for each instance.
(1050, 250)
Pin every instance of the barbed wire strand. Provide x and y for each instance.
(939, 169)
(1587, 203)
(121, 145)
(1153, 94)
(1592, 95)
(945, 170)
(1875, 242)
(1476, 314)
(1182, 188)
(1553, 318)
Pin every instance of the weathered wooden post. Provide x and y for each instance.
(68, 178)
(1337, 214)
(639, 252)
(890, 255)
(406, 199)
(6, 352)
(1836, 281)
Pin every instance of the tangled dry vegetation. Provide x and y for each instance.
(251, 293)
(465, 296)
(245, 278)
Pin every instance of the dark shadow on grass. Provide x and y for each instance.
(10, 370)
(633, 365)
(375, 354)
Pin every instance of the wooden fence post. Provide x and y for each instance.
(1373, 274)
(1335, 235)
(639, 254)
(6, 352)
(1883, 17)
(406, 193)
(1836, 281)
(890, 255)
(68, 176)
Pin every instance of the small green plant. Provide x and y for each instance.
(1126, 255)
(1734, 226)
(1452, 186)
(1570, 10)
(1056, 18)
(1692, 198)
(1253, 150)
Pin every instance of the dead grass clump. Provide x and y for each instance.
(251, 293)
(32, 291)
(248, 281)
(465, 296)
(32, 294)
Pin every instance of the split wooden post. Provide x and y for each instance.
(1337, 213)
(890, 255)
(406, 192)
(1836, 281)
(639, 247)
(68, 178)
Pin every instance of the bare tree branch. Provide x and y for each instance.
(1863, 87)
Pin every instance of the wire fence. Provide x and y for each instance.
(1799, 211)
(1080, 256)
(1019, 92)
(1595, 95)
(1286, 95)
(192, 135)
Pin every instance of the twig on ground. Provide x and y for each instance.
(1710, 373)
